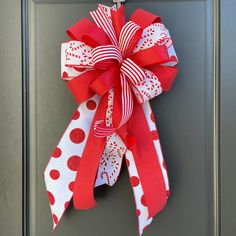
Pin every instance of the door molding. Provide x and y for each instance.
(216, 119)
(212, 102)
(25, 116)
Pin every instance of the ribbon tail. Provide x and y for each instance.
(60, 172)
(141, 208)
(111, 161)
(83, 195)
(147, 162)
(156, 141)
(112, 157)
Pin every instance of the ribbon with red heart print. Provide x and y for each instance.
(113, 68)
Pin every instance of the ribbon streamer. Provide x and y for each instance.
(113, 68)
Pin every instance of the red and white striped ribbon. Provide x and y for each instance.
(132, 71)
(100, 128)
(100, 18)
(129, 37)
(127, 100)
(102, 55)
(130, 74)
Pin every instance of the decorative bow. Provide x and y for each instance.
(113, 68)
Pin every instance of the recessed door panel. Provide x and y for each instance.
(184, 120)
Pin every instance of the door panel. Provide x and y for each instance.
(184, 119)
(10, 119)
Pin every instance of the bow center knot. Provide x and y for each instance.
(103, 56)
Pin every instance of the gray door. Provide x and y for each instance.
(196, 122)
(184, 121)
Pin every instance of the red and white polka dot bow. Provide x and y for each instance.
(113, 68)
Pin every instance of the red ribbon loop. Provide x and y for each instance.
(79, 86)
(84, 30)
(118, 19)
(144, 18)
(157, 54)
(107, 80)
(166, 75)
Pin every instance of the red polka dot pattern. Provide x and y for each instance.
(155, 135)
(91, 105)
(65, 75)
(127, 162)
(51, 198)
(76, 115)
(67, 204)
(138, 212)
(143, 200)
(164, 165)
(77, 135)
(134, 180)
(56, 153)
(71, 186)
(73, 163)
(167, 193)
(55, 219)
(152, 117)
(54, 174)
(173, 58)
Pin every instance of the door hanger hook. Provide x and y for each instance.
(118, 2)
